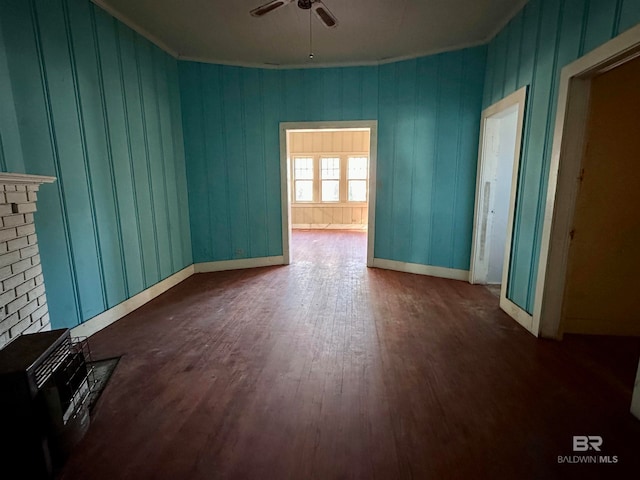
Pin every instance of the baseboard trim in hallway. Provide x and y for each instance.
(450, 273)
(114, 314)
(238, 264)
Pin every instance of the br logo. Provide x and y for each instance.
(583, 443)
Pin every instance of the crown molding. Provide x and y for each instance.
(517, 9)
(136, 28)
(307, 65)
(372, 63)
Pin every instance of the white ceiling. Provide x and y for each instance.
(369, 31)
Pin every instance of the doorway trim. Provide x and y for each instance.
(285, 177)
(569, 141)
(481, 217)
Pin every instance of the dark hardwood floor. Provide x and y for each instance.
(325, 369)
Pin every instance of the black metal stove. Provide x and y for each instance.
(44, 385)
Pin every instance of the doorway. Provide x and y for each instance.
(565, 176)
(328, 172)
(498, 160)
(329, 178)
(603, 259)
(569, 146)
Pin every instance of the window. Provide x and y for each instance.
(357, 172)
(330, 179)
(303, 177)
(330, 174)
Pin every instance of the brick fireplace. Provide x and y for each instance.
(23, 302)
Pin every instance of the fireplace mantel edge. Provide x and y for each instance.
(24, 179)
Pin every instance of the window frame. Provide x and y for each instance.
(339, 179)
(317, 179)
(295, 180)
(347, 180)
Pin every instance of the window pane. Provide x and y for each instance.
(304, 169)
(358, 168)
(304, 191)
(357, 190)
(330, 168)
(330, 191)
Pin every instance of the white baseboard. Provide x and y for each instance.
(420, 269)
(238, 264)
(329, 226)
(106, 318)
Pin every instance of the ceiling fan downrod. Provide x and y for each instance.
(310, 33)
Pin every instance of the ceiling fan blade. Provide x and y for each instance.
(269, 7)
(326, 17)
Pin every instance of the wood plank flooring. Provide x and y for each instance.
(325, 369)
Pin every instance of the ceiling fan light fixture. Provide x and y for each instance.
(321, 11)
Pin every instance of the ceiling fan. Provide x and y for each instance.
(322, 12)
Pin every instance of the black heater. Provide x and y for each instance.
(44, 386)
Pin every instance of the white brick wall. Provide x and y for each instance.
(23, 303)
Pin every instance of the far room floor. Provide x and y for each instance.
(327, 369)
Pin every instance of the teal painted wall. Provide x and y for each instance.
(88, 101)
(10, 148)
(428, 113)
(531, 50)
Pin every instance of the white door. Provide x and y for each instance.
(498, 163)
(496, 240)
(495, 175)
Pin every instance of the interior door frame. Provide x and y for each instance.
(569, 144)
(285, 176)
(481, 221)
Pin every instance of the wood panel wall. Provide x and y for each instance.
(348, 142)
(532, 50)
(340, 143)
(87, 100)
(428, 112)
